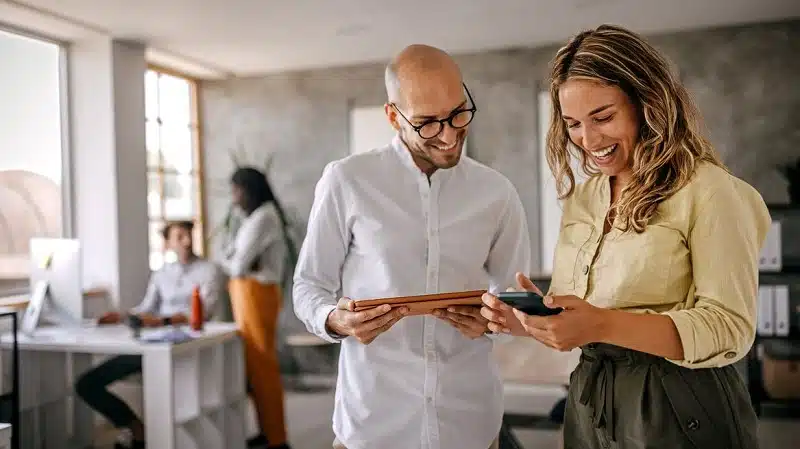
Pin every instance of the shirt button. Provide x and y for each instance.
(730, 355)
(586, 269)
(693, 424)
(429, 399)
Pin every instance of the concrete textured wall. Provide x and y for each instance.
(744, 80)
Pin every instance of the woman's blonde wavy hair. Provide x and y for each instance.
(670, 143)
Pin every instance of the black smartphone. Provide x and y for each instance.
(528, 302)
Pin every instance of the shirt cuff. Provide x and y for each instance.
(498, 338)
(322, 331)
(695, 357)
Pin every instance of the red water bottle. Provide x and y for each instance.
(196, 320)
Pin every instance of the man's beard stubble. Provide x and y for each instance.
(426, 150)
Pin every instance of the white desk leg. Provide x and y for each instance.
(83, 416)
(159, 416)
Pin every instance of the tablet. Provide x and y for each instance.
(528, 302)
(422, 304)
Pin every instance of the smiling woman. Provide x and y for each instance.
(656, 265)
(651, 228)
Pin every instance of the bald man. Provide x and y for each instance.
(412, 217)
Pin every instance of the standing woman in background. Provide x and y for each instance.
(656, 266)
(256, 264)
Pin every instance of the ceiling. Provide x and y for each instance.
(247, 37)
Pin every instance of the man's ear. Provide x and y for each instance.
(391, 114)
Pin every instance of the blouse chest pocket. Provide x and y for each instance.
(634, 269)
(572, 240)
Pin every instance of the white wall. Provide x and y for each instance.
(550, 217)
(129, 67)
(369, 128)
(30, 109)
(109, 165)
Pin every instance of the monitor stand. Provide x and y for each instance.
(41, 301)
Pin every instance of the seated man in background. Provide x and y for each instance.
(167, 301)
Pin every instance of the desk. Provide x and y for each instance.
(20, 301)
(194, 393)
(14, 303)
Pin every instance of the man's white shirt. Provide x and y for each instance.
(379, 228)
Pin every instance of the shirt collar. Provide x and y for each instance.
(261, 209)
(405, 157)
(178, 267)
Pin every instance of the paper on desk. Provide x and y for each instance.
(166, 336)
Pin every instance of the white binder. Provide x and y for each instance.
(771, 257)
(781, 310)
(766, 313)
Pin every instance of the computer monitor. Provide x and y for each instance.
(56, 283)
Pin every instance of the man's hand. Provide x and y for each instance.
(366, 325)
(151, 320)
(466, 319)
(109, 318)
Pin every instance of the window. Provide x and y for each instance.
(173, 158)
(33, 202)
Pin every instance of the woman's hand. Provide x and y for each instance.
(580, 323)
(500, 315)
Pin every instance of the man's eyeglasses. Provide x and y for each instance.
(457, 120)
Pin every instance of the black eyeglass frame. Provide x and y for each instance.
(448, 119)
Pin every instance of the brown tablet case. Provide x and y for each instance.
(422, 304)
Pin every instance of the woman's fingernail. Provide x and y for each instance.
(506, 330)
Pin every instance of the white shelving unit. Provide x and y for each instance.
(209, 396)
(194, 393)
(5, 436)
